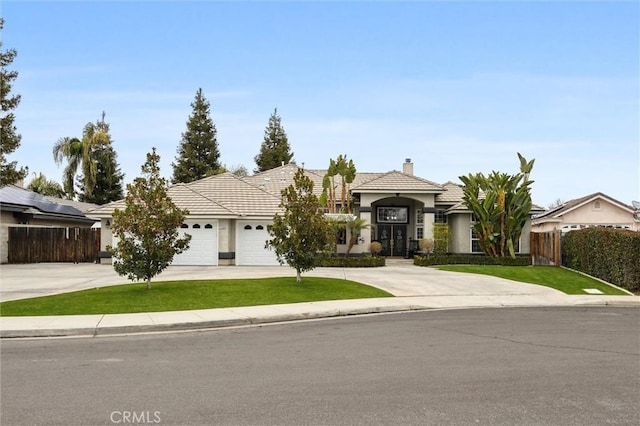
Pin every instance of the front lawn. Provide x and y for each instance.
(565, 280)
(189, 295)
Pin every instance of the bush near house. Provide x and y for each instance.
(354, 261)
(471, 259)
(609, 254)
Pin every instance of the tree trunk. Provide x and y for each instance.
(149, 283)
(298, 276)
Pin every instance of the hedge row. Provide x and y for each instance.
(470, 259)
(354, 262)
(609, 254)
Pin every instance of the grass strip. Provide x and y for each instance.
(190, 295)
(565, 280)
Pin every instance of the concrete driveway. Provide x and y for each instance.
(399, 277)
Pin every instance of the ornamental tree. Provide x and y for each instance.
(346, 170)
(300, 236)
(502, 205)
(147, 228)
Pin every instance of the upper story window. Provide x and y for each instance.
(439, 216)
(419, 217)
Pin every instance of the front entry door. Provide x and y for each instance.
(393, 239)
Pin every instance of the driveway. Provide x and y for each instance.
(399, 277)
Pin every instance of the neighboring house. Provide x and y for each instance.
(21, 207)
(594, 210)
(229, 215)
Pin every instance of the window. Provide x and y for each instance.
(260, 227)
(247, 227)
(393, 215)
(419, 232)
(196, 226)
(475, 242)
(184, 225)
(208, 226)
(341, 236)
(419, 217)
(439, 217)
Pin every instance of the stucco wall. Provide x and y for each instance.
(460, 233)
(6, 218)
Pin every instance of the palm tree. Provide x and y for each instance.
(355, 226)
(41, 185)
(80, 154)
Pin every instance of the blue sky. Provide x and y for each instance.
(458, 87)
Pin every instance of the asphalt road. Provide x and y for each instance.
(560, 366)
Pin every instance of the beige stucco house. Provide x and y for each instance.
(228, 215)
(594, 210)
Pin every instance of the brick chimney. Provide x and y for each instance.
(407, 167)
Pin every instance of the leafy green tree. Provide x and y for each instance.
(82, 154)
(198, 154)
(502, 205)
(44, 186)
(275, 149)
(147, 228)
(300, 236)
(108, 185)
(9, 138)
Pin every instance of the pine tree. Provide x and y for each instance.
(9, 138)
(275, 149)
(198, 154)
(147, 228)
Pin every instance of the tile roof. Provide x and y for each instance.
(395, 181)
(452, 194)
(259, 194)
(238, 195)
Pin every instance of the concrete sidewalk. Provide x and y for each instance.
(416, 288)
(94, 325)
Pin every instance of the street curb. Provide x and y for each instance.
(203, 325)
(244, 320)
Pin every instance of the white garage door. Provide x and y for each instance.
(251, 238)
(203, 247)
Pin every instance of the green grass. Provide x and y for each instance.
(190, 295)
(565, 280)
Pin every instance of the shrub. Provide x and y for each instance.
(441, 233)
(426, 245)
(471, 259)
(375, 248)
(612, 255)
(354, 262)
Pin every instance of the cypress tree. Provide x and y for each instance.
(198, 154)
(275, 148)
(9, 138)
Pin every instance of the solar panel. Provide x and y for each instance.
(23, 197)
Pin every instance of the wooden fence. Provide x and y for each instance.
(38, 244)
(545, 248)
